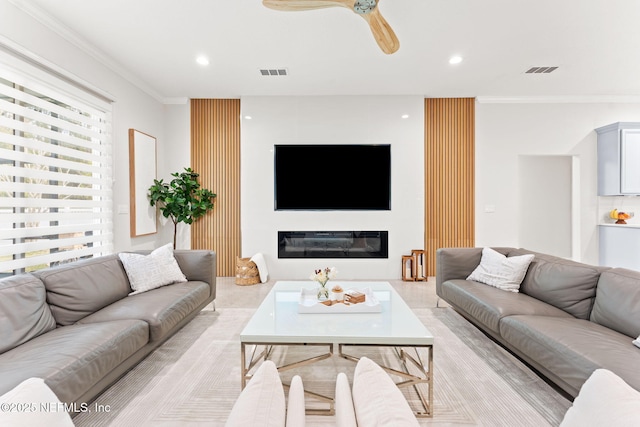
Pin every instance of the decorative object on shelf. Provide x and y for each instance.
(620, 216)
(414, 266)
(322, 277)
(181, 200)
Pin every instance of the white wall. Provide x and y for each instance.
(335, 120)
(132, 108)
(547, 202)
(174, 157)
(505, 131)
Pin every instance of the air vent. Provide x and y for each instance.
(274, 72)
(540, 70)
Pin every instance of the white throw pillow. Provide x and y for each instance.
(500, 271)
(604, 400)
(32, 403)
(376, 398)
(147, 272)
(262, 401)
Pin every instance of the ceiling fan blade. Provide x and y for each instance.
(297, 5)
(382, 32)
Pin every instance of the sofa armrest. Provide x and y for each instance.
(295, 404)
(377, 400)
(198, 265)
(262, 402)
(455, 263)
(345, 412)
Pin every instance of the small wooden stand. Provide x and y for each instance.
(407, 268)
(419, 270)
(413, 266)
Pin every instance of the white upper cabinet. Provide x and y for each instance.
(619, 159)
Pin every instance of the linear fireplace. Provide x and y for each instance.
(333, 244)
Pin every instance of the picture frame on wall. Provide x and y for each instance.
(142, 172)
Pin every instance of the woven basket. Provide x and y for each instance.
(246, 272)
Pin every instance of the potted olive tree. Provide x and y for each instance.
(182, 199)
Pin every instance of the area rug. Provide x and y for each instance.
(194, 378)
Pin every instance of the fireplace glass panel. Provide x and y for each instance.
(333, 244)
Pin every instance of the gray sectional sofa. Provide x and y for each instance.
(76, 326)
(567, 320)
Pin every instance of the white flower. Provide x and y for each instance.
(323, 276)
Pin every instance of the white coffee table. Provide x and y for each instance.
(277, 322)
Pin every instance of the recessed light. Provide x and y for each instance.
(247, 117)
(405, 116)
(455, 60)
(202, 60)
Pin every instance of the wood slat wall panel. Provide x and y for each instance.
(449, 175)
(215, 155)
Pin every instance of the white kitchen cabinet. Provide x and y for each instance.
(619, 159)
(620, 246)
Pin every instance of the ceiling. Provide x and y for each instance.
(154, 43)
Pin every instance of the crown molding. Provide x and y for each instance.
(176, 101)
(596, 99)
(72, 37)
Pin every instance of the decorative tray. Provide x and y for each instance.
(309, 303)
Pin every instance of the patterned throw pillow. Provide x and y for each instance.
(147, 272)
(499, 271)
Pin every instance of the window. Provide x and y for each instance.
(55, 171)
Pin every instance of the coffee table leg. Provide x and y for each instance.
(411, 380)
(245, 366)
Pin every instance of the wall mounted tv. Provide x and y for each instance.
(332, 177)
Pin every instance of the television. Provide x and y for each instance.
(332, 177)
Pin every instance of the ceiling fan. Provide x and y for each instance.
(368, 9)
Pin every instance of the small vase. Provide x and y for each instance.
(323, 293)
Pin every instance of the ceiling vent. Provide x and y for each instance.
(274, 72)
(540, 70)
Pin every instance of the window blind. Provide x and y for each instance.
(55, 171)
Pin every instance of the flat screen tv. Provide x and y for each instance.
(332, 177)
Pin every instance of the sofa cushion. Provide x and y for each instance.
(617, 303)
(568, 285)
(25, 313)
(163, 308)
(487, 305)
(146, 272)
(568, 350)
(376, 398)
(500, 271)
(262, 401)
(604, 400)
(78, 289)
(345, 412)
(71, 359)
(32, 403)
